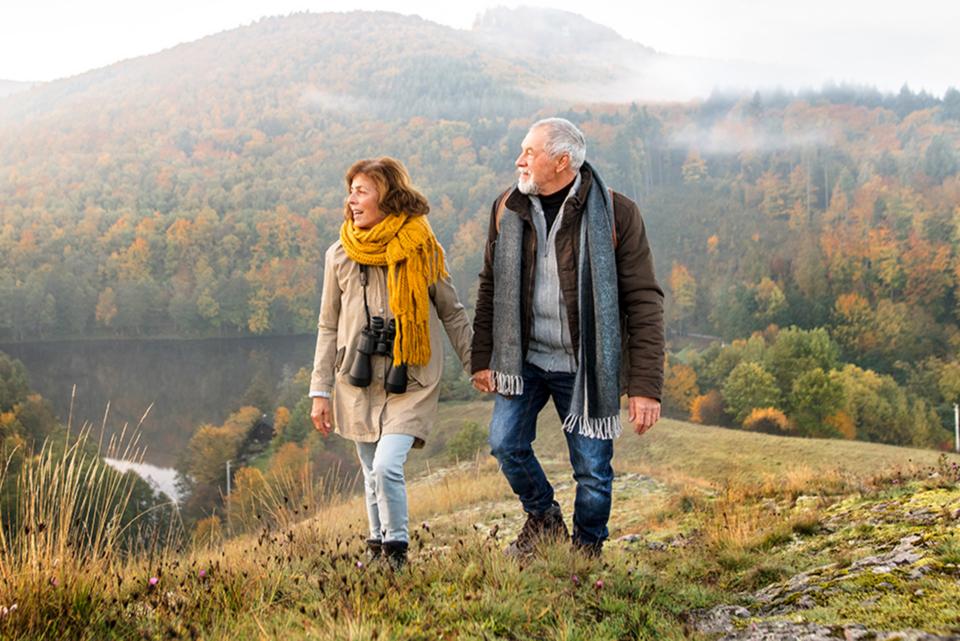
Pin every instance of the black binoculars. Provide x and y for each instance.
(376, 339)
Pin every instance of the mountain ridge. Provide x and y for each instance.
(330, 49)
(10, 87)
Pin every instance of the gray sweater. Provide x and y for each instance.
(550, 348)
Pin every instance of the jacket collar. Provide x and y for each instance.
(520, 203)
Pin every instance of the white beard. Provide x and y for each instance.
(526, 186)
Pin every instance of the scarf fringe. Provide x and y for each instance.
(508, 384)
(606, 428)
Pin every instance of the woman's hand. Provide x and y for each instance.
(320, 414)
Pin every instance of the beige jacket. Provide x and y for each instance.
(364, 413)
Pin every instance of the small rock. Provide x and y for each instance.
(867, 560)
(719, 620)
(905, 557)
(911, 540)
(855, 632)
(806, 602)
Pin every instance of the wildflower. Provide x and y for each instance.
(599, 584)
(54, 581)
(359, 565)
(575, 579)
(153, 581)
(4, 610)
(202, 574)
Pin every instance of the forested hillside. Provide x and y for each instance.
(193, 192)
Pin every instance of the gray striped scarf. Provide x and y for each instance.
(595, 404)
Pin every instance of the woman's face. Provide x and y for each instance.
(364, 202)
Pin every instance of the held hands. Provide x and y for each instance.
(320, 414)
(644, 412)
(483, 381)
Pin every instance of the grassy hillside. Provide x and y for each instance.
(712, 530)
(713, 454)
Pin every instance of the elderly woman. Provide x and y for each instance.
(386, 296)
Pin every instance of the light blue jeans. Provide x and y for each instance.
(384, 486)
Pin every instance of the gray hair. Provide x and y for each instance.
(563, 137)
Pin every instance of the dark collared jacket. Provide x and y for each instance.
(641, 299)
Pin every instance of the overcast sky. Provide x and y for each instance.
(878, 42)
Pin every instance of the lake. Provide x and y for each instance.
(188, 382)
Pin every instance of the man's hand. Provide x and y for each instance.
(644, 412)
(483, 381)
(320, 414)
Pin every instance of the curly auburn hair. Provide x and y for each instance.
(396, 193)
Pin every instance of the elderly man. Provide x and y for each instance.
(567, 299)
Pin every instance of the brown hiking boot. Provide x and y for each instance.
(548, 526)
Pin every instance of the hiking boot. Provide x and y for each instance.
(374, 549)
(548, 526)
(590, 550)
(396, 553)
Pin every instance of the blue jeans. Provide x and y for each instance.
(513, 429)
(384, 486)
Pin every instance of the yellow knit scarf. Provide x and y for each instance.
(414, 260)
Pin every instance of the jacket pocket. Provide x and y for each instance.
(425, 375)
(340, 354)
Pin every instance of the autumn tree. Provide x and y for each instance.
(683, 288)
(883, 412)
(679, 388)
(815, 396)
(796, 351)
(749, 386)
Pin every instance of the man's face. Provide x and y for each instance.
(536, 170)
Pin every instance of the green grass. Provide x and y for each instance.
(701, 516)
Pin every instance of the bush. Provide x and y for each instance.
(465, 444)
(208, 533)
(707, 409)
(843, 424)
(768, 420)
